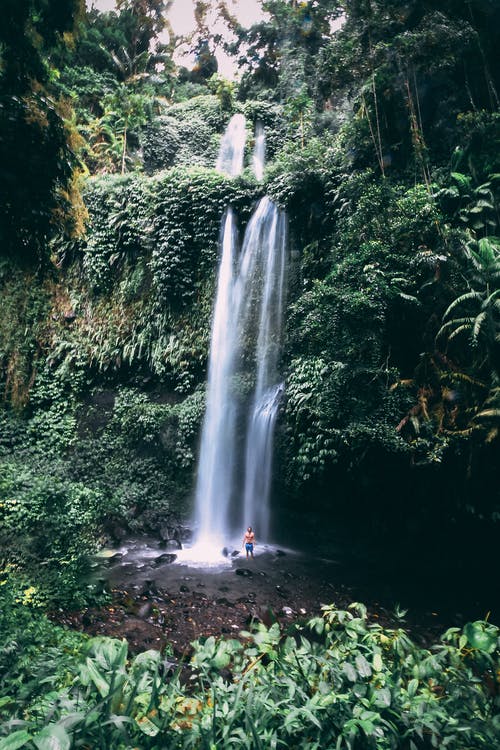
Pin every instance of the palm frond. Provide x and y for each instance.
(461, 179)
(478, 325)
(459, 330)
(488, 414)
(468, 296)
(462, 377)
(451, 324)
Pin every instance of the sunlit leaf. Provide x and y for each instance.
(482, 636)
(53, 737)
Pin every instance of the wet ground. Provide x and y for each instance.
(156, 599)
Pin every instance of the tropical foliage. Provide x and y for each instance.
(337, 681)
(393, 201)
(383, 139)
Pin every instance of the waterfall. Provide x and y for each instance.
(259, 152)
(233, 481)
(259, 452)
(266, 397)
(217, 449)
(232, 147)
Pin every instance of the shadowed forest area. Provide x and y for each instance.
(382, 132)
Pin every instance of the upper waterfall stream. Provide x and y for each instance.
(232, 147)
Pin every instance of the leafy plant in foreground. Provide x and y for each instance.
(339, 681)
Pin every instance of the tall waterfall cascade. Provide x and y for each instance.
(244, 387)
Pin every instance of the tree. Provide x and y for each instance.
(142, 22)
(36, 156)
(128, 113)
(205, 65)
(109, 136)
(280, 52)
(418, 66)
(123, 43)
(115, 74)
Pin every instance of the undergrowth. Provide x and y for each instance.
(339, 681)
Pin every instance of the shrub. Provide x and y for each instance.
(47, 528)
(160, 143)
(36, 656)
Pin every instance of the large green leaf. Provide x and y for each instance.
(53, 737)
(482, 636)
(221, 660)
(146, 660)
(462, 179)
(69, 721)
(363, 666)
(97, 678)
(147, 726)
(350, 672)
(15, 740)
(109, 653)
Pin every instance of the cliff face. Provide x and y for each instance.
(103, 359)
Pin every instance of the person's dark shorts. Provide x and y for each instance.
(249, 547)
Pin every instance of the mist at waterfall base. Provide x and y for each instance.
(235, 462)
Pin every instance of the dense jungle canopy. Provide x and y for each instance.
(382, 122)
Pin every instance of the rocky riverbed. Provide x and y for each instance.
(155, 600)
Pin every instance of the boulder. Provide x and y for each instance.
(245, 572)
(170, 536)
(164, 533)
(149, 588)
(172, 544)
(164, 559)
(281, 592)
(117, 532)
(145, 609)
(108, 555)
(185, 534)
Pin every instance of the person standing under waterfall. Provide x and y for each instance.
(249, 541)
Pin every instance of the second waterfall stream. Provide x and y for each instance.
(244, 387)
